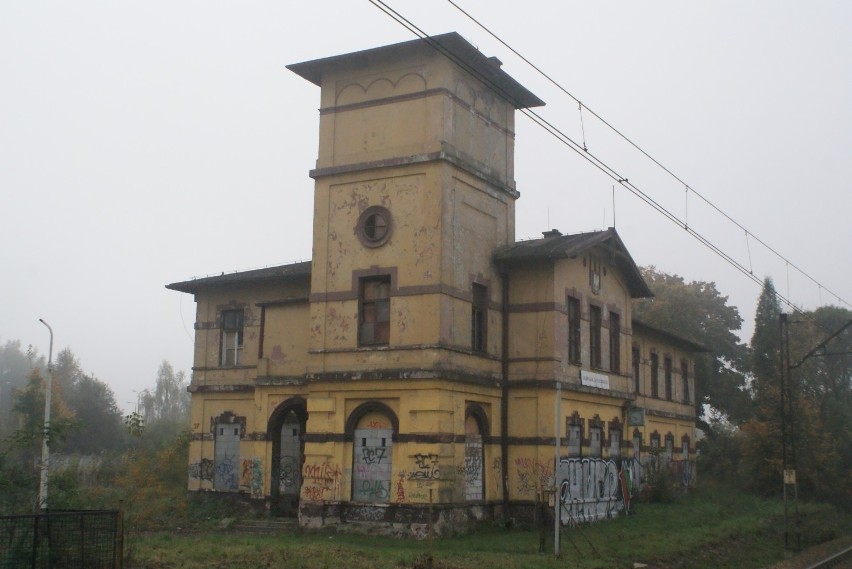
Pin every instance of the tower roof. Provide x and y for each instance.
(451, 45)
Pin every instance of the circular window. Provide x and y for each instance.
(374, 226)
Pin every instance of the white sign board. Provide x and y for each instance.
(593, 379)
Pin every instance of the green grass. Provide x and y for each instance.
(711, 527)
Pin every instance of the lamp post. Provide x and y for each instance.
(45, 441)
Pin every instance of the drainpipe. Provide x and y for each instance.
(504, 399)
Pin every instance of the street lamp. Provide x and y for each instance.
(45, 442)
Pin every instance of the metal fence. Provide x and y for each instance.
(62, 540)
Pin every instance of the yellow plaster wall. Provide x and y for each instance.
(206, 368)
(285, 339)
(420, 106)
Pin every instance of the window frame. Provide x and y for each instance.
(231, 337)
(636, 354)
(668, 366)
(614, 342)
(655, 372)
(684, 372)
(379, 310)
(595, 325)
(575, 351)
(479, 318)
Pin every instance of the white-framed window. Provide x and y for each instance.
(232, 338)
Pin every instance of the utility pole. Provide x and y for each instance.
(557, 503)
(45, 441)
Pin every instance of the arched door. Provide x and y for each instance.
(287, 428)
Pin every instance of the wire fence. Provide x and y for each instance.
(89, 539)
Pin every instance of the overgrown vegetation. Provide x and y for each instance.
(714, 526)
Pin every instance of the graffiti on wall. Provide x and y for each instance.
(202, 470)
(322, 481)
(251, 476)
(425, 467)
(590, 489)
(225, 473)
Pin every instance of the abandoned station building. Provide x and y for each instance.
(418, 356)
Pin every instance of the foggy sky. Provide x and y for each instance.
(147, 143)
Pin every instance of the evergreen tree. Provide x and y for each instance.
(763, 453)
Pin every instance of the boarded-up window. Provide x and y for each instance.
(595, 442)
(226, 457)
(574, 435)
(372, 459)
(473, 459)
(290, 476)
(614, 443)
(669, 450)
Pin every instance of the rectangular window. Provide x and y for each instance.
(595, 442)
(232, 338)
(684, 377)
(614, 342)
(595, 336)
(635, 354)
(667, 370)
(573, 330)
(655, 370)
(479, 318)
(574, 436)
(614, 444)
(374, 317)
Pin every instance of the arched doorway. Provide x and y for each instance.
(373, 426)
(475, 427)
(287, 431)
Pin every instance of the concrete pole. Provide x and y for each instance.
(557, 505)
(45, 441)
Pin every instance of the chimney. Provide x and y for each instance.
(552, 233)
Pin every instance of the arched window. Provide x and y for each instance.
(372, 426)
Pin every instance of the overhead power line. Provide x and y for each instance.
(644, 153)
(590, 157)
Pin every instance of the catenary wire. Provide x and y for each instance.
(644, 153)
(587, 155)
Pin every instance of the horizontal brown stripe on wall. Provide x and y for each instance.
(536, 307)
(221, 389)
